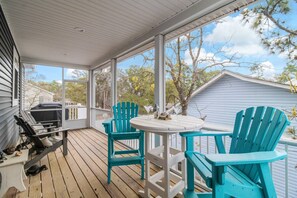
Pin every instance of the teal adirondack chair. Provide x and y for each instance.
(122, 114)
(244, 172)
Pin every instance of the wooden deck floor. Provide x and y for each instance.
(83, 172)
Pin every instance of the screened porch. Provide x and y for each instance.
(72, 61)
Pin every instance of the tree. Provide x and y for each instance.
(54, 87)
(103, 89)
(31, 74)
(189, 73)
(277, 34)
(78, 74)
(288, 76)
(76, 92)
(171, 92)
(136, 84)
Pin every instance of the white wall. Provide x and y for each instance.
(35, 96)
(222, 100)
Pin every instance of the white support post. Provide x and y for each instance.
(159, 78)
(114, 81)
(90, 96)
(160, 72)
(63, 99)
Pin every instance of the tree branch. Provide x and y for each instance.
(278, 24)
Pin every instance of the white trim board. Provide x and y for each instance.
(34, 61)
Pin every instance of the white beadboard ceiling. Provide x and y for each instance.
(48, 30)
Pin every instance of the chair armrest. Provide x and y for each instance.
(47, 121)
(44, 129)
(51, 132)
(36, 124)
(49, 127)
(245, 158)
(202, 133)
(108, 125)
(218, 135)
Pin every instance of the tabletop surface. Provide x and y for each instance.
(12, 159)
(178, 123)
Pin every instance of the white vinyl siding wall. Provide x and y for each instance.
(224, 98)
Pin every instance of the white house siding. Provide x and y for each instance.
(225, 97)
(35, 95)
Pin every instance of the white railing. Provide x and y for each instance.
(76, 112)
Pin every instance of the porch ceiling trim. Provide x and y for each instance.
(34, 61)
(192, 13)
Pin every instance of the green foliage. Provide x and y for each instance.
(76, 92)
(171, 92)
(136, 84)
(277, 34)
(288, 75)
(53, 87)
(289, 72)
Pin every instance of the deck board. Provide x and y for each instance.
(83, 172)
(47, 182)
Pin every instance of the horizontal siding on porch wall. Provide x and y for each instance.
(9, 132)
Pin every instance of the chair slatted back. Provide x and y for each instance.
(27, 117)
(29, 131)
(257, 129)
(123, 112)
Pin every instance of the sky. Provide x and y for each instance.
(236, 37)
(230, 33)
(50, 74)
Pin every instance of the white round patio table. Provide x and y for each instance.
(164, 156)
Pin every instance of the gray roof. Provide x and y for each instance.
(241, 77)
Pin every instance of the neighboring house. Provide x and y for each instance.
(227, 93)
(35, 95)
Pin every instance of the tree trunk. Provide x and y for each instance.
(184, 105)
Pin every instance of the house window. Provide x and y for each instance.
(15, 88)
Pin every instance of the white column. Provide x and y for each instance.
(159, 77)
(160, 72)
(63, 99)
(90, 96)
(114, 81)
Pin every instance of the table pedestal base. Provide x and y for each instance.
(164, 157)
